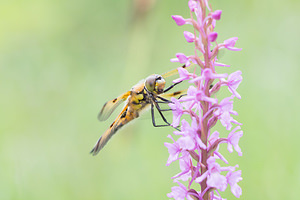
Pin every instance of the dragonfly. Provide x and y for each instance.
(149, 92)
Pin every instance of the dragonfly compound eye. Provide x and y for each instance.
(160, 84)
(150, 83)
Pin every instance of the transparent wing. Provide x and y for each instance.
(192, 68)
(181, 86)
(176, 94)
(109, 107)
(118, 123)
(173, 72)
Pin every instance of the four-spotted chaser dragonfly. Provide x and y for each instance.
(150, 92)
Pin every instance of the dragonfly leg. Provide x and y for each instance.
(167, 101)
(153, 118)
(182, 96)
(161, 102)
(162, 116)
(171, 86)
(164, 100)
(166, 109)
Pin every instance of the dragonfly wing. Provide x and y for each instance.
(109, 107)
(123, 118)
(175, 71)
(174, 94)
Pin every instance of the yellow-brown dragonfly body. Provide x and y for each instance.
(140, 97)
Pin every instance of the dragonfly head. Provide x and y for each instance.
(155, 83)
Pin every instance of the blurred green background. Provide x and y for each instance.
(60, 61)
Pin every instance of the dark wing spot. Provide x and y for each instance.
(114, 100)
(124, 114)
(176, 93)
(183, 66)
(112, 124)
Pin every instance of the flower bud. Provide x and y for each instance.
(179, 20)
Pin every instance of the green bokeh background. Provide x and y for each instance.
(61, 60)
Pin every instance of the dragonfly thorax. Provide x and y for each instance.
(155, 83)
